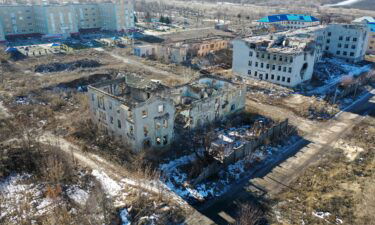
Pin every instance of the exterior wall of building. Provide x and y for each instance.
(125, 15)
(148, 124)
(346, 41)
(371, 43)
(56, 20)
(2, 35)
(290, 24)
(117, 16)
(279, 68)
(87, 16)
(206, 47)
(199, 109)
(63, 20)
(108, 16)
(147, 50)
(154, 123)
(215, 108)
(17, 20)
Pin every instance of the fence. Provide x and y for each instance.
(274, 133)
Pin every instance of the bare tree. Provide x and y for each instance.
(249, 214)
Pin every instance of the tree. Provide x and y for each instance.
(168, 20)
(148, 17)
(249, 214)
(162, 19)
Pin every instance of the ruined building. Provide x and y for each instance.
(277, 58)
(144, 114)
(138, 112)
(288, 58)
(206, 100)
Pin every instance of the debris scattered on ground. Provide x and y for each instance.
(69, 66)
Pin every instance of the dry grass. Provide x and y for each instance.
(336, 185)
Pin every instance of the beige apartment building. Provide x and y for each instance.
(118, 16)
(16, 20)
(63, 20)
(56, 20)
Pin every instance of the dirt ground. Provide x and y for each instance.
(339, 190)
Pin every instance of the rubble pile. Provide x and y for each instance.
(70, 66)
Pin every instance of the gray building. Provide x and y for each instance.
(145, 114)
(347, 41)
(63, 20)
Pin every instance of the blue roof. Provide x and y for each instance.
(288, 17)
(372, 27)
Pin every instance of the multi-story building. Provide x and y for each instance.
(63, 20)
(371, 42)
(57, 21)
(289, 21)
(2, 35)
(118, 16)
(288, 58)
(146, 114)
(370, 22)
(136, 111)
(88, 17)
(347, 41)
(17, 20)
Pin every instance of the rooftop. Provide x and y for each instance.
(367, 19)
(288, 17)
(372, 27)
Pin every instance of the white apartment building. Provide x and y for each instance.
(63, 20)
(279, 59)
(347, 41)
(289, 21)
(288, 58)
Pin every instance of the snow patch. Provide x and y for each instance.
(124, 215)
(78, 195)
(110, 186)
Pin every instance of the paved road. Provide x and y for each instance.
(279, 174)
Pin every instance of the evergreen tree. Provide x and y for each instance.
(162, 19)
(167, 20)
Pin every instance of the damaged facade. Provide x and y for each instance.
(288, 58)
(207, 100)
(139, 113)
(179, 52)
(144, 114)
(278, 58)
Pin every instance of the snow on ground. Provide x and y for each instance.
(343, 3)
(110, 186)
(124, 215)
(177, 180)
(335, 77)
(17, 192)
(78, 195)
